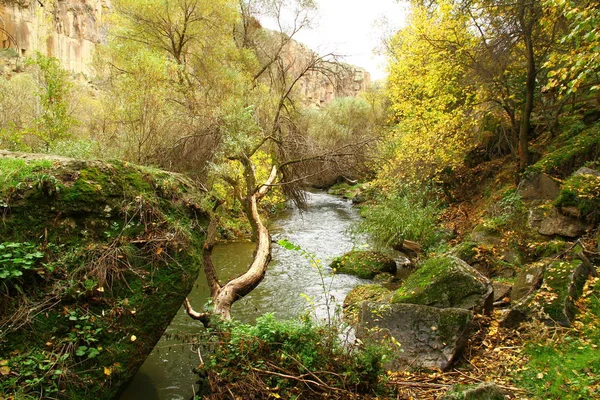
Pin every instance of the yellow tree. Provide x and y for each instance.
(432, 97)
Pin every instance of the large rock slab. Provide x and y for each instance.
(538, 186)
(429, 337)
(447, 281)
(528, 279)
(548, 221)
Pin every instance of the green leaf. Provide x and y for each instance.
(81, 350)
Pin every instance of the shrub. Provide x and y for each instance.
(288, 358)
(408, 213)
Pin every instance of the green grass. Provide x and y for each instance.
(14, 170)
(567, 365)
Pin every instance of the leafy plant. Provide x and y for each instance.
(407, 213)
(288, 358)
(16, 258)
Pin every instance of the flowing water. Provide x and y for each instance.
(290, 280)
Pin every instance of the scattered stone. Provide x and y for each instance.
(364, 264)
(528, 280)
(429, 337)
(482, 235)
(538, 186)
(549, 221)
(483, 391)
(447, 282)
(586, 171)
(501, 291)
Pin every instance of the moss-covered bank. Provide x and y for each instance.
(96, 260)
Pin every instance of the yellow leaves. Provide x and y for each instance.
(4, 368)
(107, 371)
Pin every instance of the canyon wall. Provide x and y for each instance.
(70, 30)
(66, 29)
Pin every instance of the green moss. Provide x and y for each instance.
(121, 248)
(556, 295)
(569, 363)
(364, 264)
(583, 193)
(442, 282)
(572, 151)
(371, 293)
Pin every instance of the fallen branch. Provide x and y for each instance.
(202, 317)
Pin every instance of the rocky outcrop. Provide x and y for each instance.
(548, 221)
(97, 259)
(538, 186)
(429, 337)
(447, 282)
(560, 284)
(68, 30)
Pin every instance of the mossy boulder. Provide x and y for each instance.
(372, 293)
(97, 259)
(429, 337)
(364, 264)
(483, 391)
(447, 281)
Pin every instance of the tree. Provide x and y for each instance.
(54, 120)
(432, 97)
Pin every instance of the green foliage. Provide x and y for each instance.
(54, 121)
(432, 97)
(407, 213)
(16, 258)
(577, 66)
(251, 360)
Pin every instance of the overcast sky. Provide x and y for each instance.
(353, 28)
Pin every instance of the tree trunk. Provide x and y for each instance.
(526, 20)
(224, 296)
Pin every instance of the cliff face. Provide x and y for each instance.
(327, 83)
(66, 29)
(70, 30)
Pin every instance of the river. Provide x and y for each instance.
(322, 230)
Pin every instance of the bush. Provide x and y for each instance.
(288, 358)
(409, 213)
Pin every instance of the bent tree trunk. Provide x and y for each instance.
(224, 295)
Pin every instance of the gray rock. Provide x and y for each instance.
(528, 280)
(501, 290)
(447, 281)
(485, 236)
(538, 187)
(483, 391)
(549, 221)
(586, 171)
(429, 337)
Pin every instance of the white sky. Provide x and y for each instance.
(353, 28)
